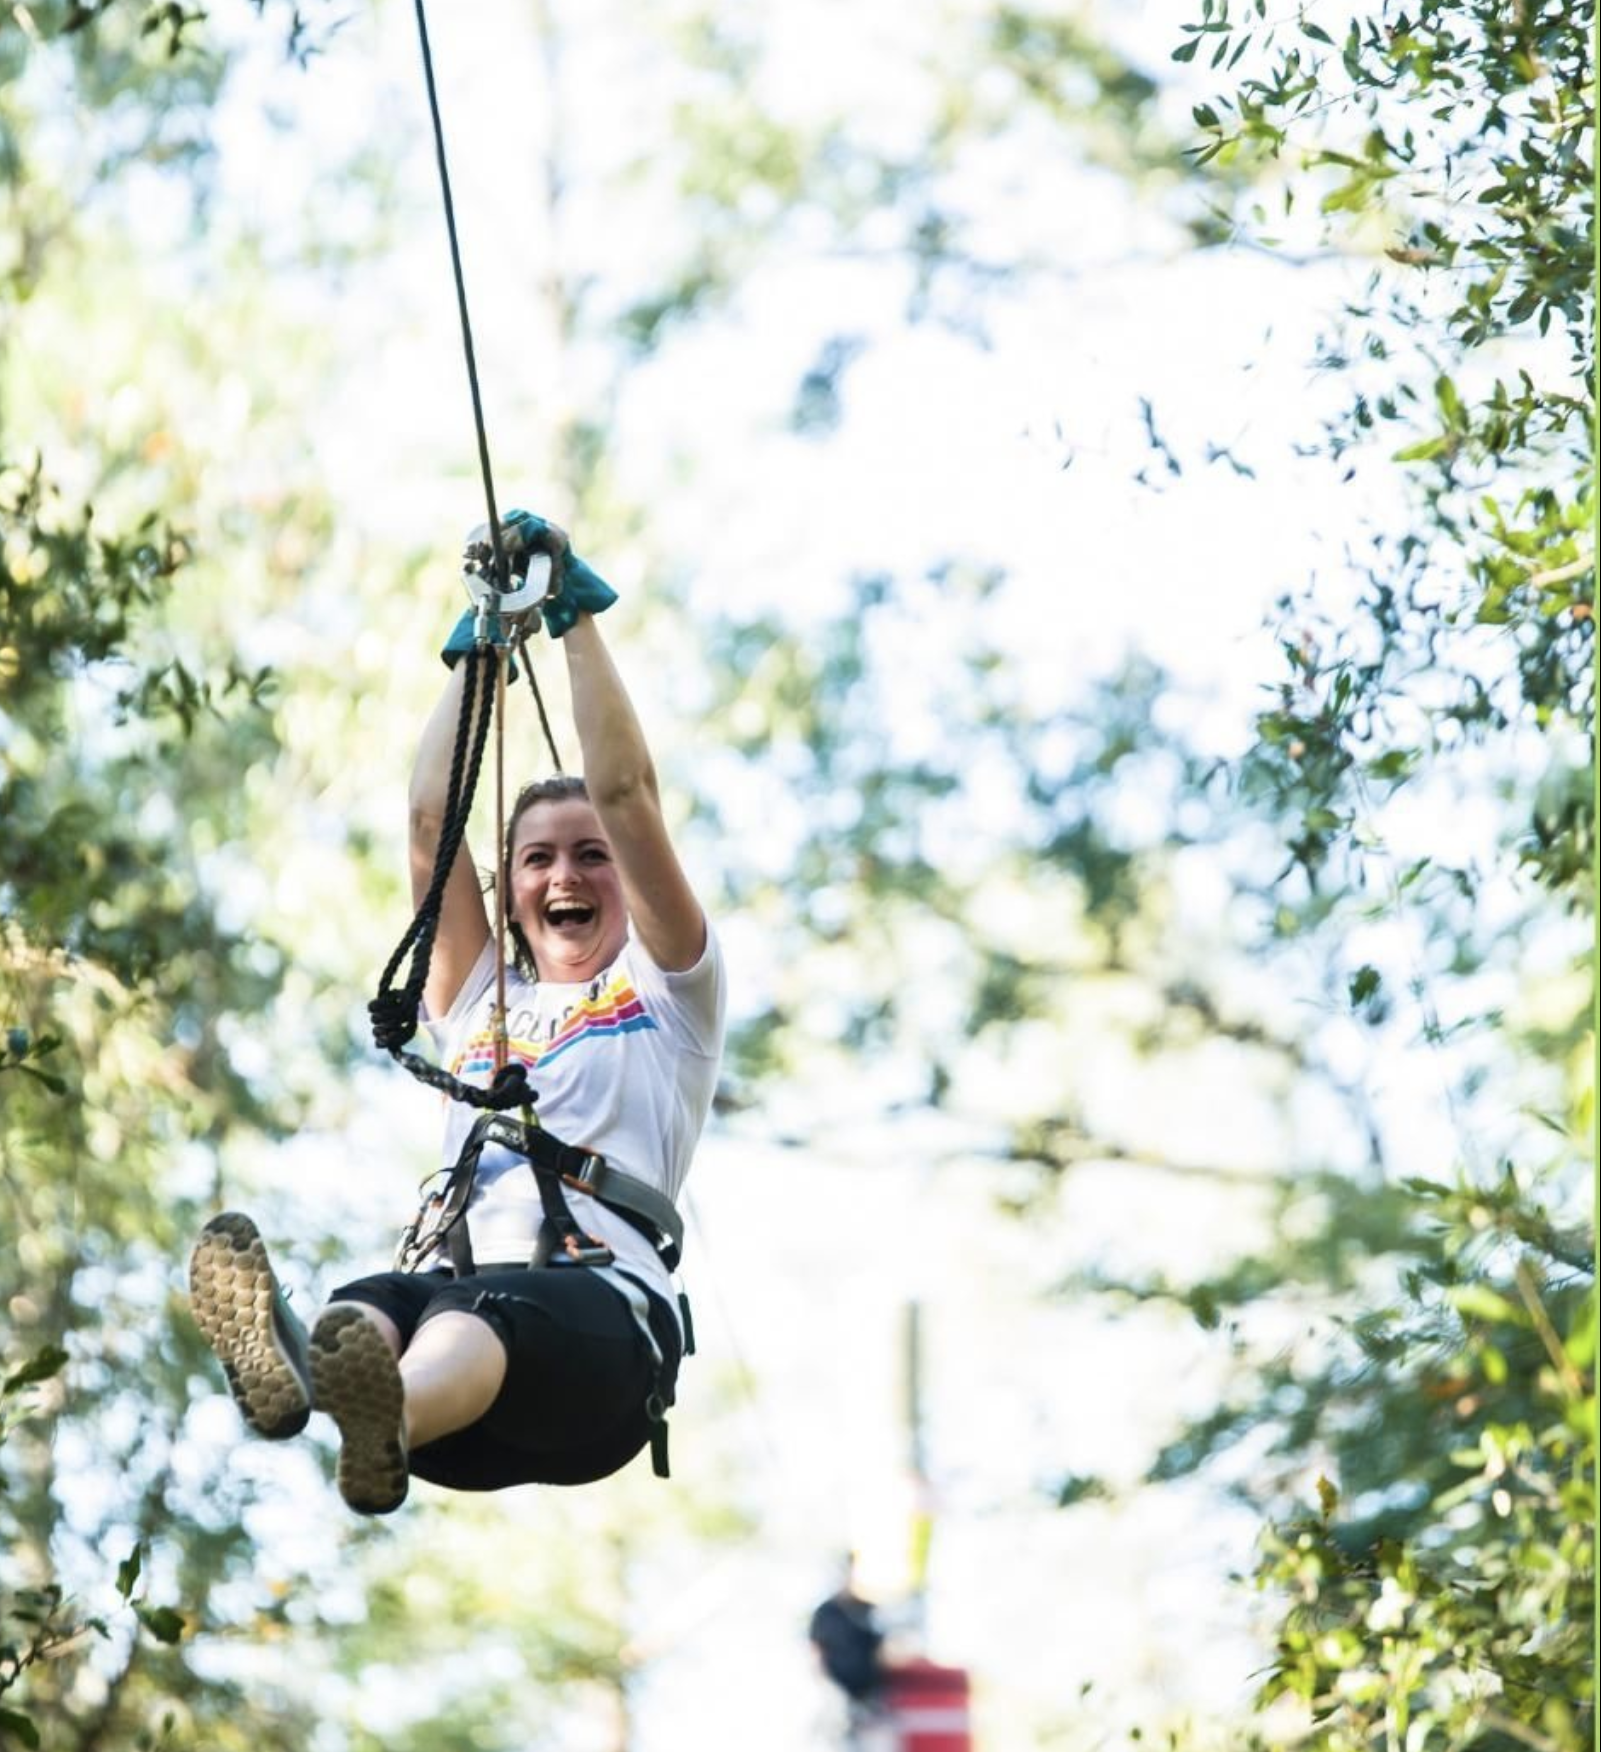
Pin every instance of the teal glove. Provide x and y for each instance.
(582, 592)
(577, 589)
(464, 638)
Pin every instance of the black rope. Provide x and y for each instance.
(519, 642)
(395, 1009)
(394, 1012)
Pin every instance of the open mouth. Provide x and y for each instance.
(568, 916)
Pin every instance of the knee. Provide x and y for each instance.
(479, 1329)
(379, 1319)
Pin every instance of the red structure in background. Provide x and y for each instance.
(927, 1706)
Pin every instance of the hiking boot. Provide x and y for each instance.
(245, 1317)
(358, 1384)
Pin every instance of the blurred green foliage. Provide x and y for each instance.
(1459, 140)
(1442, 1593)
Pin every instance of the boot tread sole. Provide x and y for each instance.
(356, 1381)
(233, 1295)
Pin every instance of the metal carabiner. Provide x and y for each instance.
(477, 574)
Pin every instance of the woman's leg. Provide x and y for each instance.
(579, 1373)
(389, 1396)
(244, 1316)
(451, 1372)
(356, 1380)
(390, 1383)
(509, 1377)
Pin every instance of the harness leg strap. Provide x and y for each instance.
(657, 1413)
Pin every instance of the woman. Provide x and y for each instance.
(558, 1372)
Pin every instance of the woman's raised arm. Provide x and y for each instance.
(621, 780)
(463, 919)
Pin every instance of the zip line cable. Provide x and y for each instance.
(501, 575)
(502, 579)
(395, 1010)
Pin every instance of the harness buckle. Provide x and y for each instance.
(561, 1242)
(586, 1250)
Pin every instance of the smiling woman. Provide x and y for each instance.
(532, 1333)
(565, 899)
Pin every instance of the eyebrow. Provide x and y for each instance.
(579, 845)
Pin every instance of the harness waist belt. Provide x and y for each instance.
(588, 1172)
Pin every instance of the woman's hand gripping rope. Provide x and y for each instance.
(550, 584)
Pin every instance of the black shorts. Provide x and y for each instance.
(582, 1393)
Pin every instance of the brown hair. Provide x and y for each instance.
(558, 788)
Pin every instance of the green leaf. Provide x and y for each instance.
(1393, 764)
(42, 1366)
(1075, 1488)
(1316, 32)
(1480, 1302)
(1365, 982)
(1350, 197)
(1424, 452)
(20, 1725)
(1186, 51)
(164, 1623)
(128, 1571)
(1581, 1342)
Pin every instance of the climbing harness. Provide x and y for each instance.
(508, 592)
(439, 1233)
(440, 1226)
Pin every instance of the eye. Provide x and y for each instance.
(535, 855)
(595, 855)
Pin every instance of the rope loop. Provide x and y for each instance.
(395, 1009)
(394, 1019)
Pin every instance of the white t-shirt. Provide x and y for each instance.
(624, 1064)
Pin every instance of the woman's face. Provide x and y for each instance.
(565, 891)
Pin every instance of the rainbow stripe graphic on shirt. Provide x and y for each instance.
(613, 1010)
